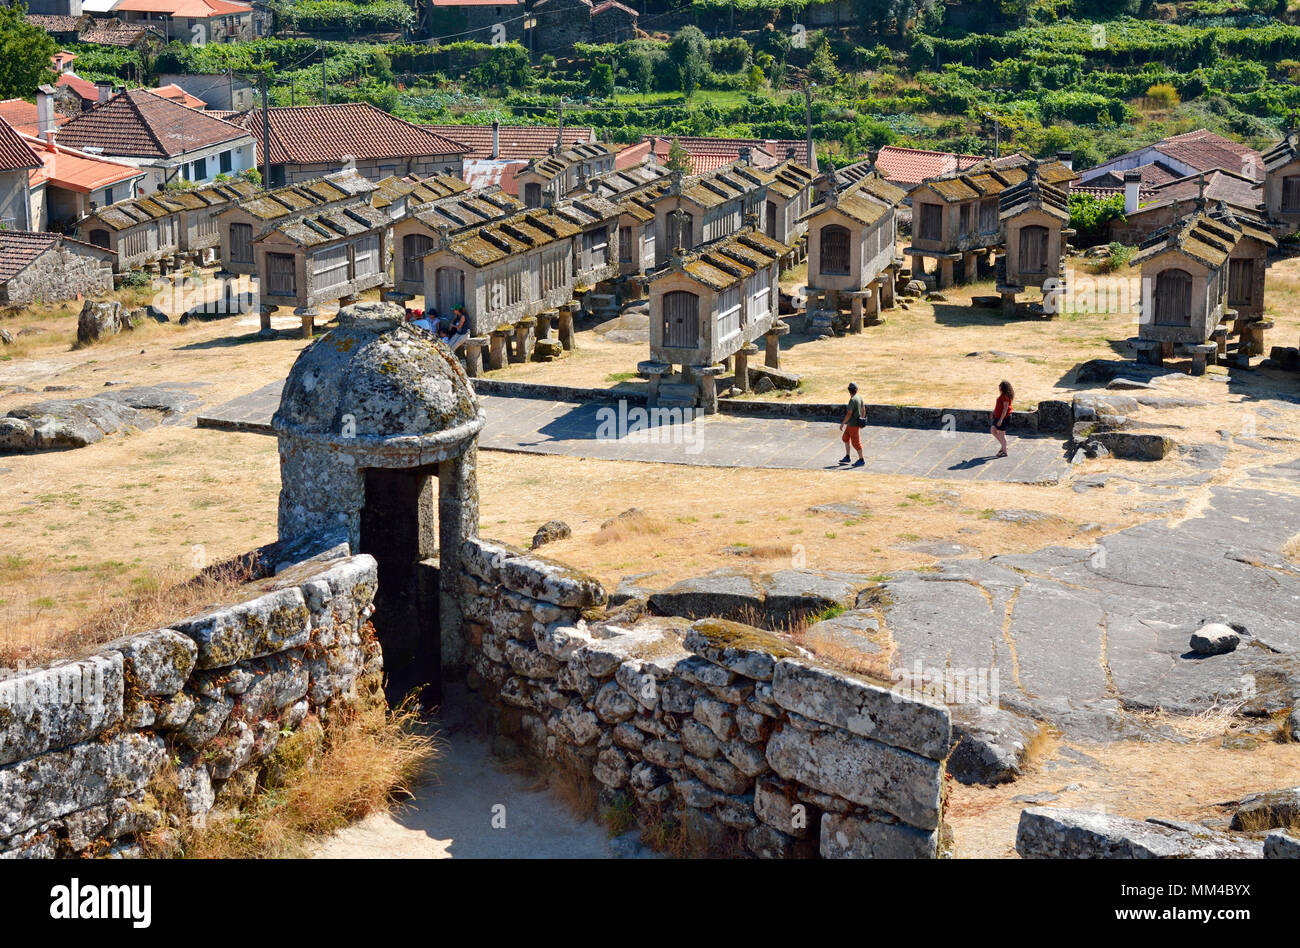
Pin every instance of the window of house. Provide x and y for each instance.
(108, 195)
(225, 162)
(200, 170)
(835, 250)
(241, 243)
(931, 222)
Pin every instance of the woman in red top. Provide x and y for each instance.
(1002, 414)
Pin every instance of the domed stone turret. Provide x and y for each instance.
(378, 429)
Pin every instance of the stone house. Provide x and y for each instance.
(1282, 184)
(426, 224)
(218, 91)
(559, 24)
(242, 223)
(709, 306)
(852, 241)
(48, 268)
(331, 254)
(197, 22)
(70, 184)
(1185, 286)
(712, 206)
(17, 160)
(547, 180)
(955, 217)
(1033, 216)
(166, 140)
(612, 22)
(1150, 207)
(478, 21)
(308, 141)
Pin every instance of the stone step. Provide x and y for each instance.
(675, 402)
(677, 390)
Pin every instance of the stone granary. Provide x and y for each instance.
(547, 180)
(200, 209)
(955, 217)
(399, 196)
(378, 433)
(706, 308)
(417, 231)
(1033, 216)
(788, 199)
(142, 232)
(636, 221)
(1185, 272)
(852, 240)
(515, 275)
(1282, 184)
(711, 206)
(333, 254)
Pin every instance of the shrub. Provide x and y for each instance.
(1162, 96)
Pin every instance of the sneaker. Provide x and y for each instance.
(845, 459)
(859, 462)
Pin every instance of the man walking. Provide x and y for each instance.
(855, 419)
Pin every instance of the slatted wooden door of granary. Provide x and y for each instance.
(681, 319)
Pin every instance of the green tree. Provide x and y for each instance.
(689, 54)
(678, 159)
(822, 69)
(601, 81)
(640, 68)
(25, 52)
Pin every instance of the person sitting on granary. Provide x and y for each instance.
(424, 321)
(458, 328)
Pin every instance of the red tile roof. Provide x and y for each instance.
(713, 152)
(1206, 151)
(84, 88)
(195, 9)
(177, 94)
(15, 153)
(518, 142)
(21, 114)
(75, 170)
(113, 35)
(320, 134)
(914, 165)
(53, 23)
(140, 124)
(633, 155)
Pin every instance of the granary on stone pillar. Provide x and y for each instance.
(692, 210)
(378, 433)
(399, 195)
(1248, 261)
(334, 254)
(955, 216)
(200, 211)
(788, 198)
(243, 223)
(547, 180)
(138, 232)
(1282, 184)
(852, 240)
(630, 189)
(1033, 216)
(1185, 287)
(708, 306)
(422, 225)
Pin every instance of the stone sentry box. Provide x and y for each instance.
(378, 436)
(738, 735)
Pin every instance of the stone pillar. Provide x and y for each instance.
(945, 274)
(474, 355)
(707, 380)
(653, 372)
(457, 522)
(497, 349)
(1220, 337)
(872, 314)
(1008, 305)
(772, 358)
(969, 266)
(308, 316)
(565, 328)
(266, 312)
(887, 289)
(523, 347)
(918, 267)
(544, 326)
(742, 366)
(855, 313)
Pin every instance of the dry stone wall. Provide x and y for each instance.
(735, 733)
(210, 698)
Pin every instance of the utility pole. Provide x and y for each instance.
(293, 93)
(807, 111)
(559, 132)
(324, 89)
(266, 138)
(997, 134)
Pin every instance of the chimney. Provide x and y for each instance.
(1066, 158)
(496, 139)
(1132, 184)
(105, 90)
(45, 112)
(789, 153)
(745, 155)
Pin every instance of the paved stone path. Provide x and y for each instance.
(615, 431)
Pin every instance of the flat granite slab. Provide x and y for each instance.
(611, 431)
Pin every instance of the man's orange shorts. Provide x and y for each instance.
(852, 438)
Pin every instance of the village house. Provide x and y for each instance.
(17, 159)
(240, 224)
(197, 22)
(70, 184)
(426, 223)
(323, 256)
(547, 180)
(113, 32)
(710, 154)
(1150, 208)
(63, 27)
(706, 308)
(907, 167)
(165, 139)
(477, 21)
(558, 25)
(497, 142)
(613, 22)
(49, 268)
(1282, 184)
(1033, 216)
(224, 92)
(1185, 274)
(955, 218)
(852, 242)
(1178, 157)
(309, 141)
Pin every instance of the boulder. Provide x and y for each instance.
(1046, 833)
(99, 319)
(1214, 638)
(778, 377)
(989, 743)
(1274, 809)
(1278, 845)
(725, 593)
(551, 531)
